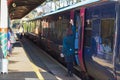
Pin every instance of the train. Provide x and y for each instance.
(97, 41)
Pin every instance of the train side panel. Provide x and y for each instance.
(99, 37)
(99, 41)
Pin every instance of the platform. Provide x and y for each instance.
(19, 67)
(26, 64)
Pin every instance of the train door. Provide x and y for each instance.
(81, 38)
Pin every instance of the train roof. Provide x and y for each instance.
(80, 4)
(19, 8)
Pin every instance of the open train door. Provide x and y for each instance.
(81, 38)
(80, 26)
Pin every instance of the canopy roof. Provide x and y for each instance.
(19, 8)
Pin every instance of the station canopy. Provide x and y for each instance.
(19, 8)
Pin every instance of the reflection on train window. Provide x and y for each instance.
(104, 41)
(107, 34)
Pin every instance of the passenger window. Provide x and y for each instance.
(88, 30)
(107, 35)
(78, 31)
(103, 43)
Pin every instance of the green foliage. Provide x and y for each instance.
(25, 26)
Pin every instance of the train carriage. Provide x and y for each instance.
(97, 41)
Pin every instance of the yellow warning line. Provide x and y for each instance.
(36, 70)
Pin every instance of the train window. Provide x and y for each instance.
(87, 38)
(88, 24)
(107, 34)
(88, 30)
(104, 43)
